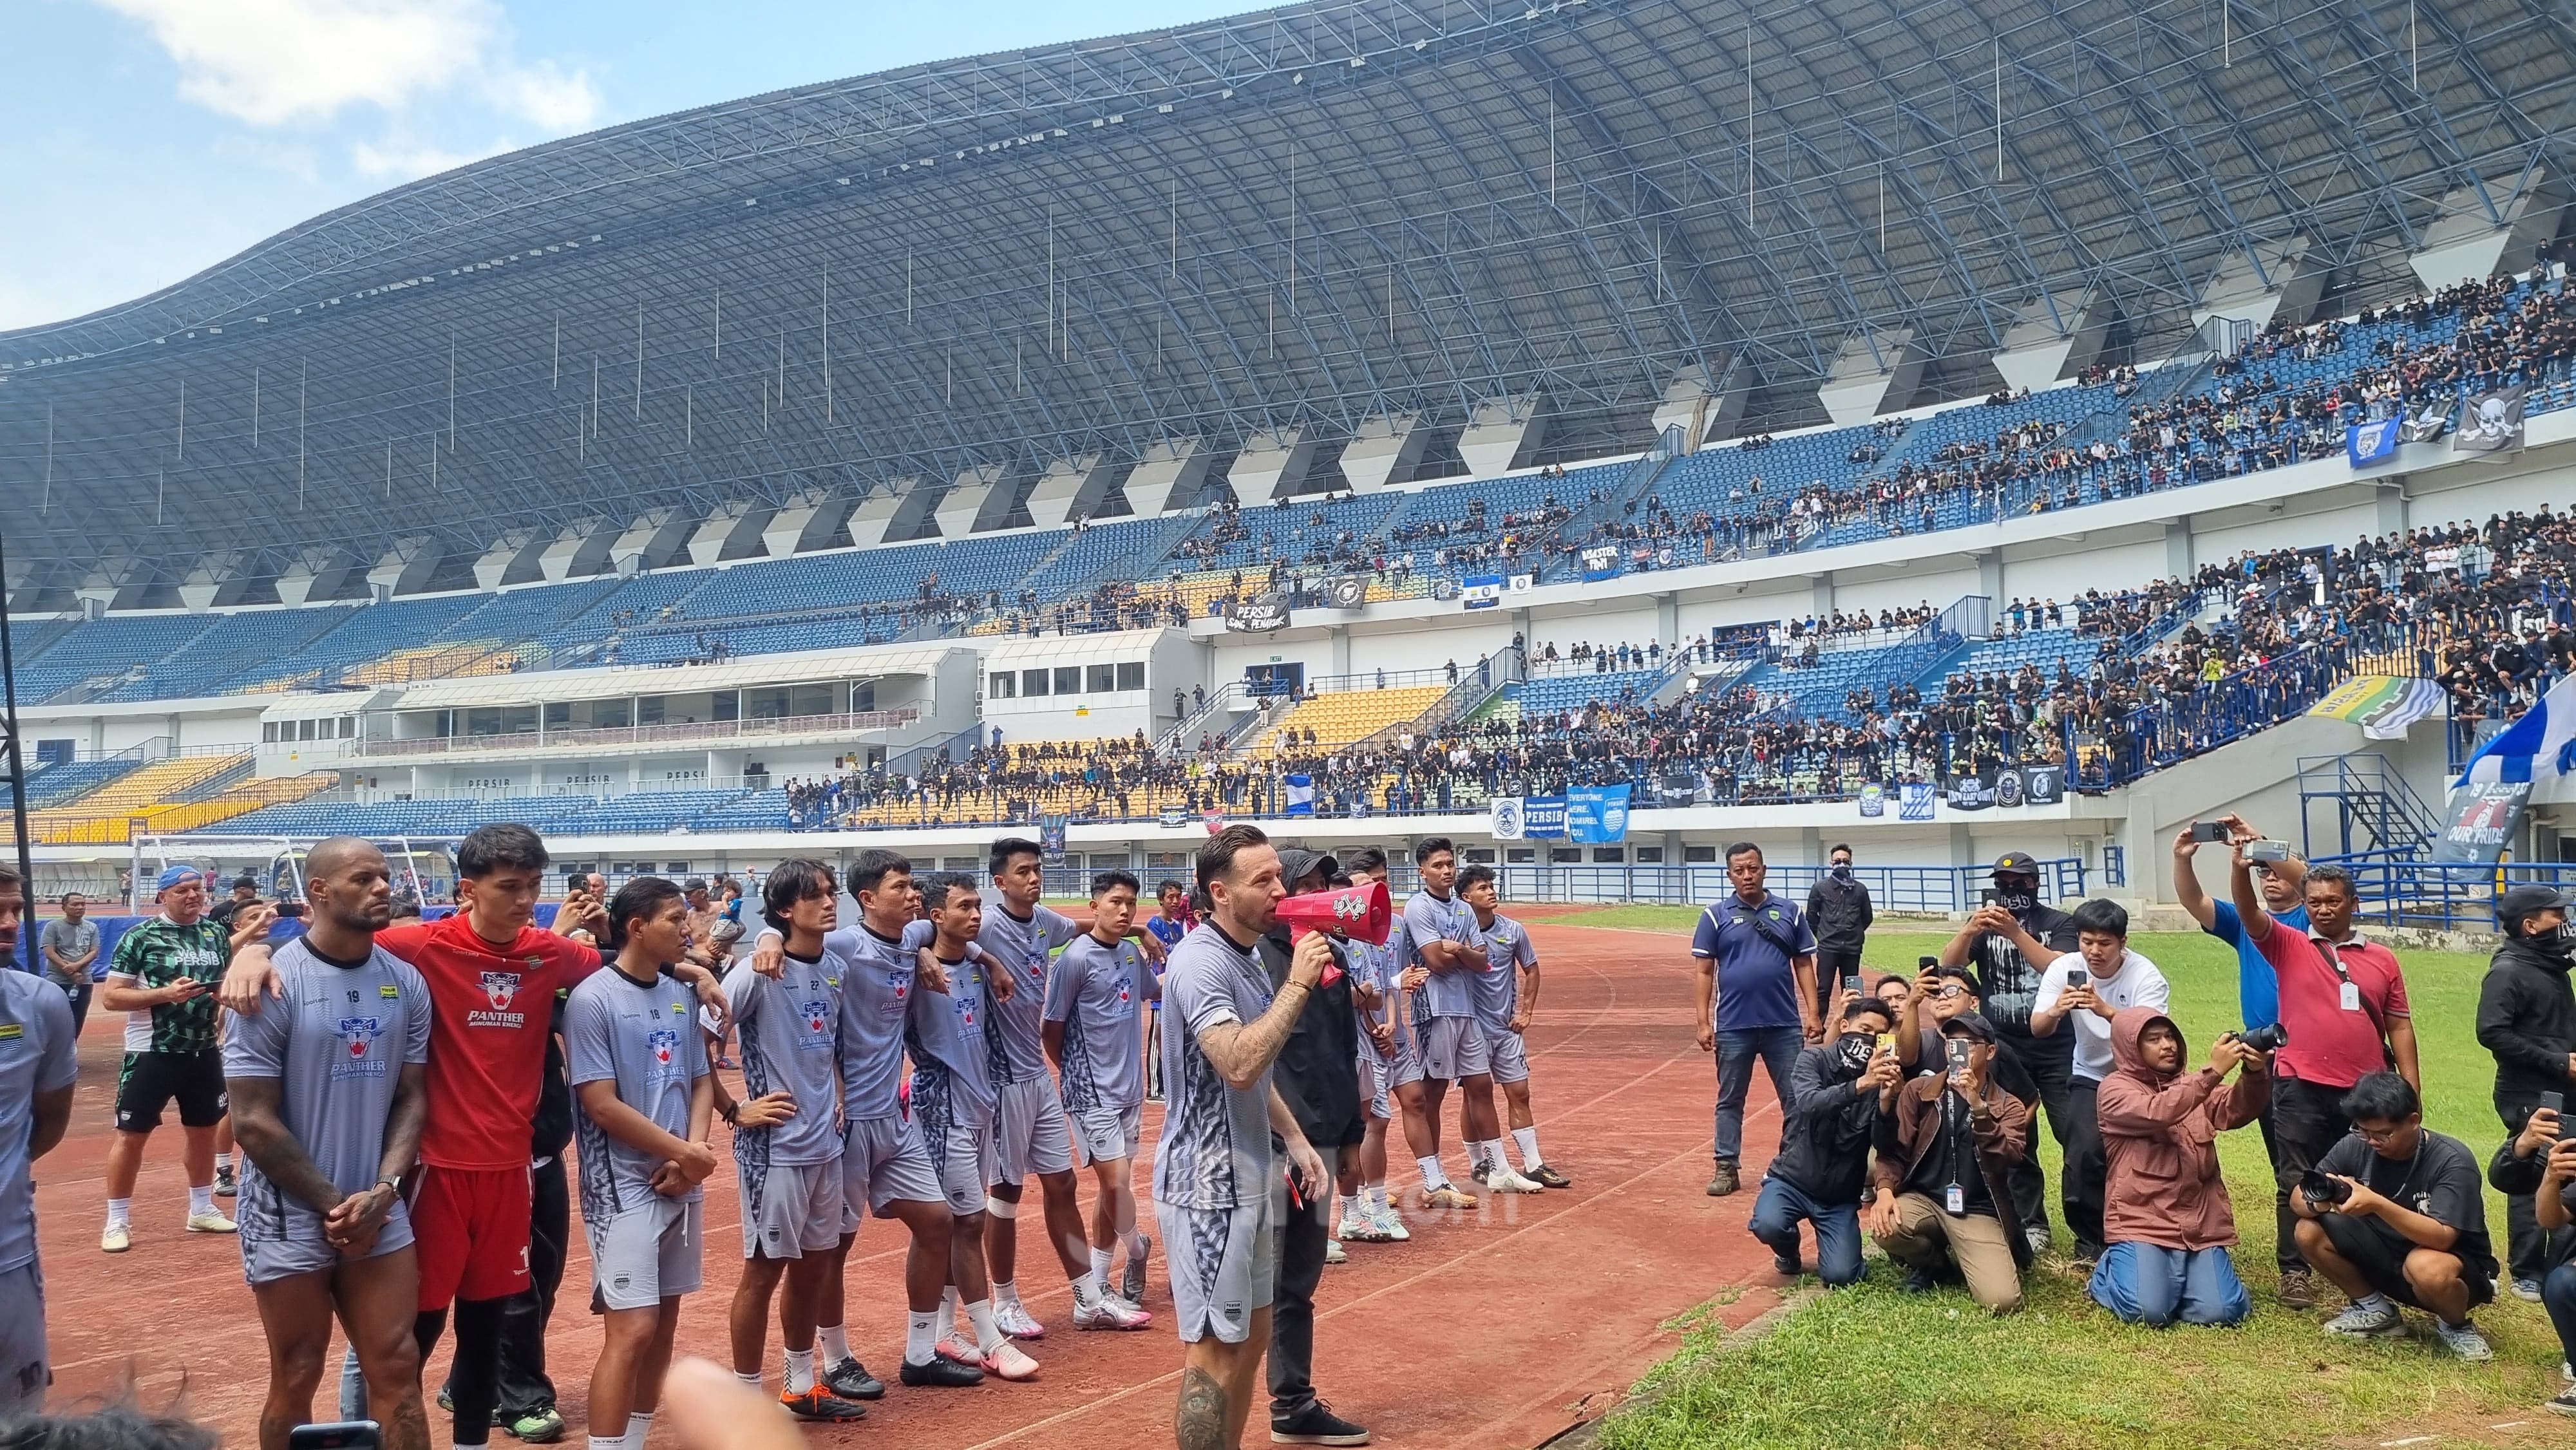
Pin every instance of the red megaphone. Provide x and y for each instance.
(1359, 913)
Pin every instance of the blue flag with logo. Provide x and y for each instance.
(2367, 443)
(1597, 814)
(1543, 815)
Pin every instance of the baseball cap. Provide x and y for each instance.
(177, 876)
(1971, 1025)
(2526, 899)
(1298, 863)
(2016, 863)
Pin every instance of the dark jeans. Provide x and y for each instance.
(2526, 1247)
(1778, 1049)
(2081, 1192)
(2306, 1123)
(1778, 1210)
(1302, 1236)
(2052, 1070)
(2558, 1296)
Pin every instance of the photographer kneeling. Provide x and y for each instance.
(2537, 1163)
(2395, 1212)
(2166, 1214)
(1947, 1143)
(1824, 1152)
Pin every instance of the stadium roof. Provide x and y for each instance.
(1301, 217)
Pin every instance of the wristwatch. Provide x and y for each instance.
(394, 1183)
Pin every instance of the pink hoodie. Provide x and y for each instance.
(2159, 1137)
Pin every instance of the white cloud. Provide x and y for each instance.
(271, 62)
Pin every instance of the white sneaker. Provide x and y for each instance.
(1333, 1253)
(211, 1222)
(1359, 1226)
(1111, 1312)
(1008, 1362)
(116, 1238)
(2462, 1339)
(1503, 1178)
(1392, 1222)
(1016, 1321)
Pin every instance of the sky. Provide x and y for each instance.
(150, 139)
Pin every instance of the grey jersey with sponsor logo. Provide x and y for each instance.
(791, 1038)
(876, 997)
(35, 1057)
(337, 1041)
(1429, 918)
(1094, 991)
(645, 1039)
(952, 1041)
(1023, 948)
(1507, 950)
(1215, 1148)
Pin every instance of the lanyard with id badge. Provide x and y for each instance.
(2349, 996)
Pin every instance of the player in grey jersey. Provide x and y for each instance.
(1093, 995)
(884, 1163)
(329, 1088)
(1216, 1187)
(38, 1071)
(1022, 934)
(1506, 998)
(796, 1222)
(1367, 1214)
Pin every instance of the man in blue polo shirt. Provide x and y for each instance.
(1756, 997)
(2258, 1001)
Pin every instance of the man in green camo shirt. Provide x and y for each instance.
(163, 976)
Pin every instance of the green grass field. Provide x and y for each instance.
(1872, 1367)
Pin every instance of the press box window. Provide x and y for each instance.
(1566, 855)
(1068, 679)
(1100, 679)
(1131, 675)
(1033, 683)
(1609, 855)
(1699, 855)
(1005, 685)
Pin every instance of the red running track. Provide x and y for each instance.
(1495, 1328)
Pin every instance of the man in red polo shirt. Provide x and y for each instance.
(2343, 1000)
(492, 976)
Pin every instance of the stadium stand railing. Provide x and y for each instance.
(638, 736)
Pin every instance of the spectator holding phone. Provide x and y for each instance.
(2080, 992)
(2343, 1001)
(1823, 1162)
(1947, 1142)
(2258, 1003)
(2527, 1019)
(2539, 1163)
(2008, 983)
(2166, 1214)
(2394, 1214)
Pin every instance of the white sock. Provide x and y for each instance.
(947, 1308)
(1528, 1139)
(800, 1371)
(1486, 1154)
(1350, 1206)
(201, 1200)
(638, 1425)
(1006, 1294)
(607, 1442)
(223, 1161)
(1101, 1260)
(920, 1336)
(119, 1211)
(979, 1317)
(2375, 1303)
(753, 1379)
(1374, 1195)
(1432, 1176)
(1086, 1289)
(831, 1344)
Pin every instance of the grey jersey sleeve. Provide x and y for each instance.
(590, 1040)
(255, 1043)
(418, 1010)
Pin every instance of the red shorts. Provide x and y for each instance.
(472, 1229)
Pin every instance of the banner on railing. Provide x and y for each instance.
(1260, 613)
(1506, 824)
(1173, 817)
(1349, 591)
(2367, 443)
(1873, 801)
(2482, 820)
(1914, 801)
(1597, 814)
(1051, 838)
(1215, 821)
(1972, 790)
(1600, 563)
(1520, 583)
(2382, 705)
(1481, 591)
(1543, 816)
(2491, 422)
(1299, 793)
(2041, 785)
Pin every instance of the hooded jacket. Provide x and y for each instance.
(2160, 1142)
(2527, 1018)
(1824, 1148)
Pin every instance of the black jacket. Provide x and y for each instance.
(2514, 1177)
(1839, 913)
(2527, 1018)
(1318, 1072)
(1824, 1147)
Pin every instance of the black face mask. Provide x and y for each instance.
(2558, 943)
(1856, 1048)
(2016, 899)
(1842, 870)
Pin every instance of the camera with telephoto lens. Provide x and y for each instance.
(2323, 1190)
(2263, 1039)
